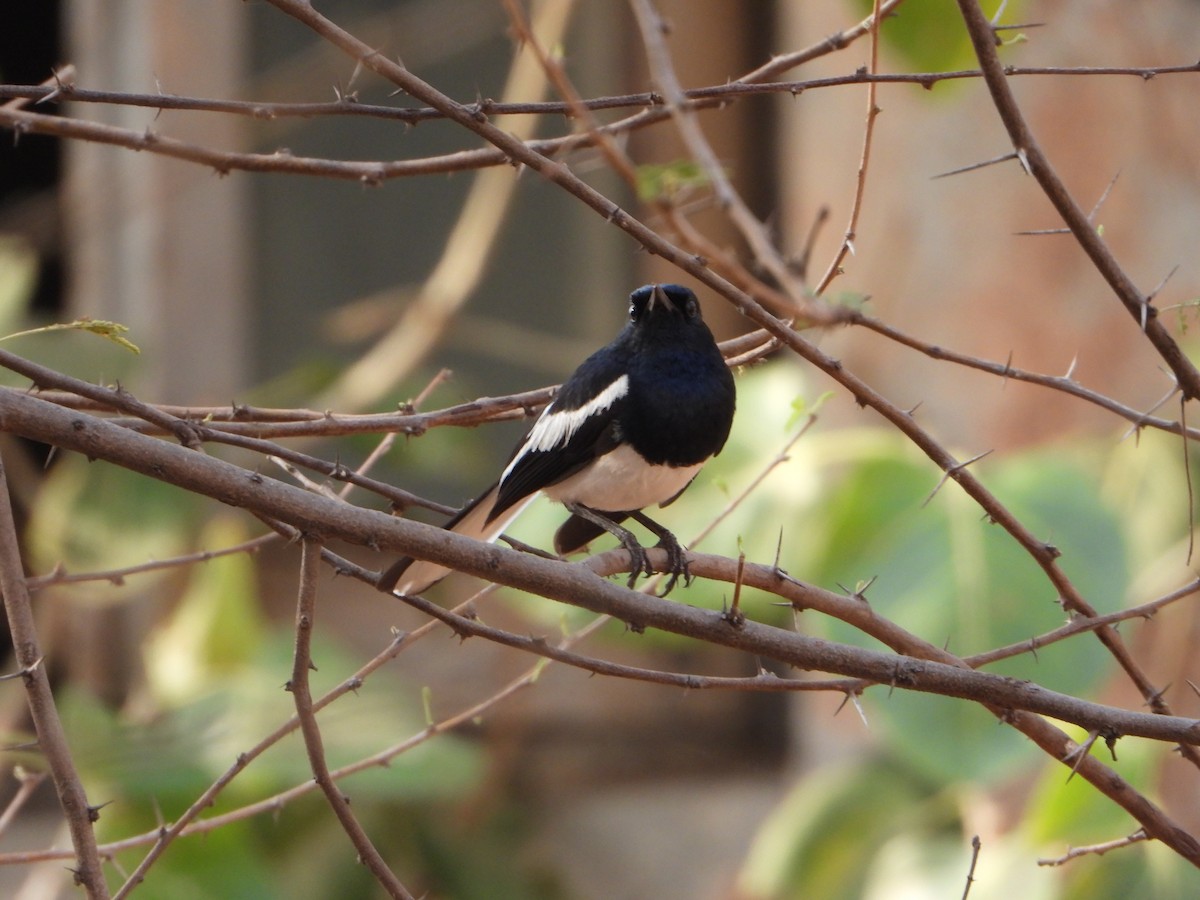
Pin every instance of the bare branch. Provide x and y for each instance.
(752, 230)
(860, 182)
(975, 847)
(306, 612)
(1096, 849)
(52, 739)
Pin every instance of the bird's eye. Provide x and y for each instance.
(691, 309)
(638, 301)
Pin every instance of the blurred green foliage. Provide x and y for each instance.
(215, 670)
(861, 505)
(669, 181)
(930, 35)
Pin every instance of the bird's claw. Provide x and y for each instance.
(676, 561)
(677, 565)
(639, 562)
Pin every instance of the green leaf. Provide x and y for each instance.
(113, 331)
(667, 181)
(931, 36)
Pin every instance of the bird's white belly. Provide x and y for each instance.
(622, 480)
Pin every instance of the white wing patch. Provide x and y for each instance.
(556, 427)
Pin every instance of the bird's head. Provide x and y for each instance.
(657, 302)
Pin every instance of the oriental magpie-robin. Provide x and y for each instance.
(630, 428)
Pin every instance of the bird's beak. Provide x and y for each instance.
(658, 297)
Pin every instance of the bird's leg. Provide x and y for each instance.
(638, 563)
(676, 555)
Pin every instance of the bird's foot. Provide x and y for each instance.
(639, 562)
(676, 561)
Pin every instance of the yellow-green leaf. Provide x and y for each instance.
(113, 331)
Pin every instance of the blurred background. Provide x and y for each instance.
(293, 291)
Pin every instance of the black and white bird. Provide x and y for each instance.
(629, 429)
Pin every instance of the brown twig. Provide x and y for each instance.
(306, 613)
(1095, 849)
(1063, 383)
(60, 575)
(864, 161)
(662, 69)
(976, 846)
(375, 172)
(757, 82)
(27, 783)
(80, 815)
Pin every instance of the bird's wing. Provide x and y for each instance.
(574, 430)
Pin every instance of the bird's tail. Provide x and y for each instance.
(412, 576)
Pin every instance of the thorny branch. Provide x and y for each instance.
(918, 666)
(1186, 374)
(306, 613)
(316, 514)
(372, 172)
(80, 814)
(1035, 161)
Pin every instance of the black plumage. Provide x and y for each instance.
(629, 429)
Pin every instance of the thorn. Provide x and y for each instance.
(1154, 701)
(1103, 197)
(973, 166)
(862, 713)
(860, 592)
(1110, 741)
(25, 672)
(1137, 426)
(1162, 284)
(1019, 26)
(1038, 232)
(735, 616)
(1080, 753)
(1071, 367)
(950, 472)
